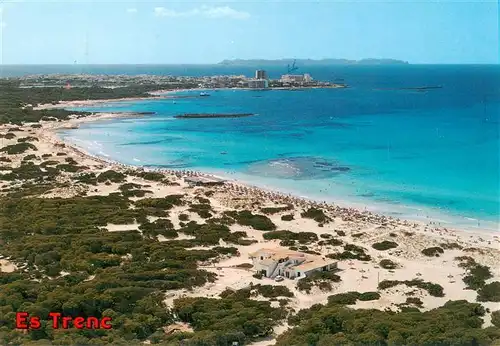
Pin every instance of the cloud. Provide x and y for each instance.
(131, 10)
(203, 11)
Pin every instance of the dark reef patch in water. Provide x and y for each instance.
(297, 168)
(164, 140)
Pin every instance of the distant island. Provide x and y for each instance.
(212, 115)
(310, 62)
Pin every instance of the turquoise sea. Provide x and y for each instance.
(405, 152)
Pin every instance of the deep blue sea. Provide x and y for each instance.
(407, 153)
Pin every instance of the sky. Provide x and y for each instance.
(174, 32)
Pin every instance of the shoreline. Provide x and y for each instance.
(357, 208)
(154, 95)
(166, 94)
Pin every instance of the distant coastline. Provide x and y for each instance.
(311, 62)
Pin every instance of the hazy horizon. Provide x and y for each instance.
(218, 63)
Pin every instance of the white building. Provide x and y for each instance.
(258, 83)
(292, 78)
(290, 264)
(296, 78)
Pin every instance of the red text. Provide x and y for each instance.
(58, 321)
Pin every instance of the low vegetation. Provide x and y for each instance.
(316, 214)
(350, 298)
(127, 273)
(111, 176)
(275, 210)
(227, 320)
(385, 245)
(267, 291)
(414, 301)
(18, 148)
(351, 251)
(433, 251)
(337, 325)
(287, 217)
(256, 221)
(434, 290)
(323, 280)
(388, 264)
(331, 241)
(301, 237)
(476, 274)
(489, 292)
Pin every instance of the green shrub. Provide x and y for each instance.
(27, 139)
(287, 217)
(151, 176)
(18, 148)
(495, 318)
(316, 214)
(202, 209)
(348, 298)
(258, 275)
(29, 157)
(275, 210)
(366, 296)
(476, 274)
(414, 301)
(256, 221)
(85, 178)
(167, 202)
(384, 245)
(111, 176)
(302, 237)
(226, 250)
(272, 291)
(331, 241)
(432, 251)
(321, 279)
(451, 246)
(351, 251)
(434, 290)
(388, 264)
(69, 168)
(489, 292)
(205, 314)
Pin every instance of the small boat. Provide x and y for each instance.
(204, 94)
(223, 152)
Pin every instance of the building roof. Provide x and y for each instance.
(309, 262)
(313, 264)
(277, 253)
(267, 262)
